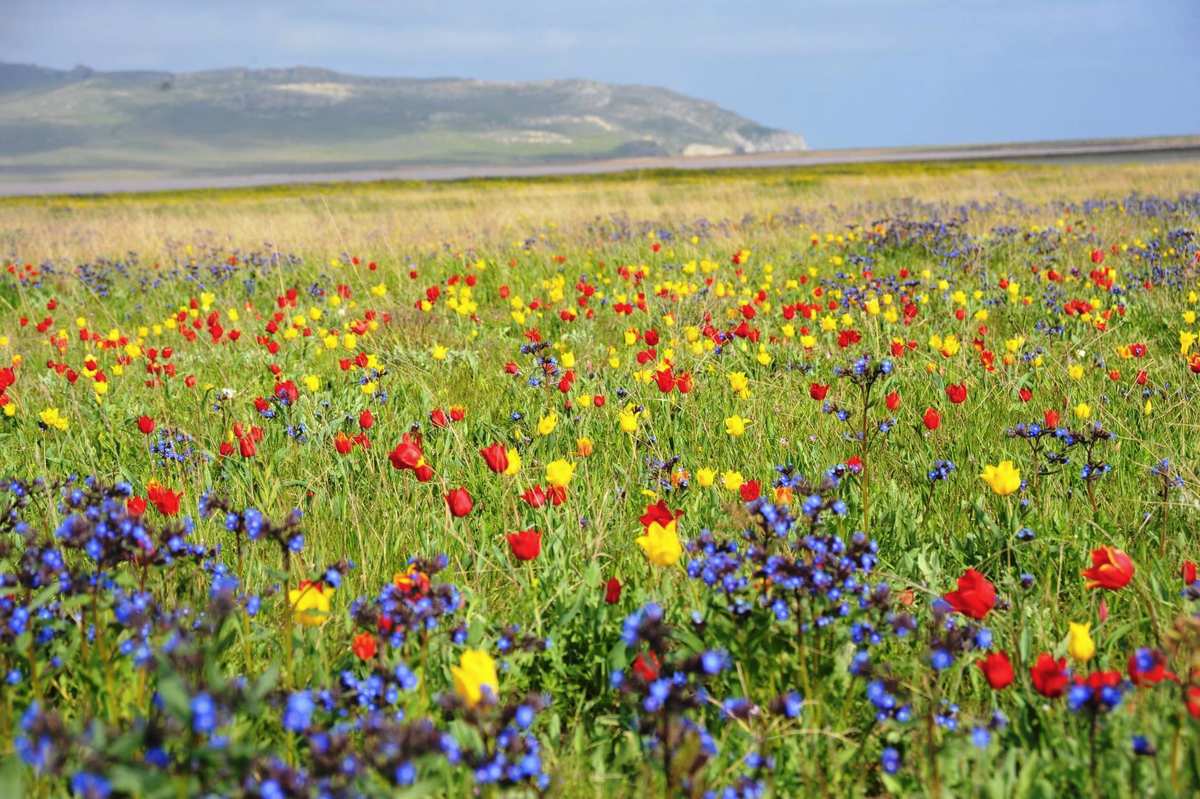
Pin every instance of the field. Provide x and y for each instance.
(855, 481)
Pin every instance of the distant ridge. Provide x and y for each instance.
(87, 124)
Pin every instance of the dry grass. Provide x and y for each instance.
(396, 218)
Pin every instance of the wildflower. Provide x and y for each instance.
(661, 543)
(1149, 667)
(475, 677)
(1080, 645)
(735, 425)
(818, 391)
(342, 443)
(584, 447)
(165, 500)
(612, 591)
(957, 393)
(892, 401)
(459, 502)
(1049, 676)
(145, 425)
(559, 473)
(705, 477)
(364, 646)
(975, 596)
(1004, 479)
(997, 669)
(310, 602)
(51, 418)
(496, 457)
(1082, 411)
(629, 421)
(932, 420)
(525, 545)
(547, 424)
(732, 480)
(437, 417)
(1111, 569)
(366, 420)
(407, 454)
(514, 462)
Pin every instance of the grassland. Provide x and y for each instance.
(771, 300)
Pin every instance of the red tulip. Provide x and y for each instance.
(459, 502)
(751, 490)
(1025, 394)
(226, 449)
(665, 380)
(957, 393)
(684, 383)
(818, 391)
(1141, 377)
(535, 496)
(164, 500)
(424, 473)
(598, 400)
(145, 425)
(892, 401)
(438, 417)
(932, 419)
(246, 447)
(1051, 418)
(343, 444)
(1111, 569)
(1192, 703)
(975, 595)
(997, 669)
(1149, 667)
(1049, 676)
(646, 666)
(612, 591)
(496, 457)
(659, 513)
(135, 506)
(365, 419)
(526, 545)
(364, 646)
(407, 454)
(1097, 256)
(457, 413)
(1188, 572)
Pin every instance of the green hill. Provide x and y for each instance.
(82, 123)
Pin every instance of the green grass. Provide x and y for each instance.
(358, 507)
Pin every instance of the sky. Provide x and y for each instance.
(842, 73)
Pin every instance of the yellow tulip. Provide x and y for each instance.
(732, 480)
(1080, 645)
(559, 473)
(475, 673)
(310, 603)
(705, 477)
(547, 424)
(1004, 479)
(661, 544)
(1083, 410)
(735, 425)
(514, 462)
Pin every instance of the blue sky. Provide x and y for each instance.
(843, 73)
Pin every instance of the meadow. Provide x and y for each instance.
(860, 481)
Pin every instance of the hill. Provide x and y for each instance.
(57, 124)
